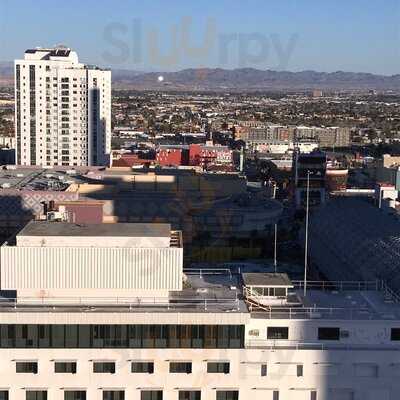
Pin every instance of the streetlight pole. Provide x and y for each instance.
(275, 231)
(306, 235)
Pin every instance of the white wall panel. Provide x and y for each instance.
(91, 268)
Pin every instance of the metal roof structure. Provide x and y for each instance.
(351, 239)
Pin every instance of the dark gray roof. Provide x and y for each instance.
(46, 228)
(351, 239)
(266, 279)
(58, 52)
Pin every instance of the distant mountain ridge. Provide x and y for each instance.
(6, 69)
(240, 79)
(255, 79)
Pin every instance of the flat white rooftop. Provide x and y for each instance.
(206, 293)
(352, 301)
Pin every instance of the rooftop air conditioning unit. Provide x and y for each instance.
(56, 216)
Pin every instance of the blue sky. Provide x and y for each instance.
(324, 35)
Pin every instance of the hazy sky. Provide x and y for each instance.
(322, 35)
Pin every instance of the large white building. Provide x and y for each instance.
(63, 110)
(215, 335)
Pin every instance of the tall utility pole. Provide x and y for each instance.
(242, 159)
(306, 236)
(275, 231)
(275, 242)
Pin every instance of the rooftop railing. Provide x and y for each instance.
(286, 310)
(339, 285)
(121, 303)
(299, 345)
(377, 285)
(207, 271)
(341, 313)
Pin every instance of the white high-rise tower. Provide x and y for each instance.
(63, 110)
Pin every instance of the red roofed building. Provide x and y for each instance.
(194, 154)
(209, 155)
(130, 160)
(173, 155)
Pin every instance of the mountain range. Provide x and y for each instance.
(218, 79)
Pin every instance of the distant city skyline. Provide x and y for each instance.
(292, 35)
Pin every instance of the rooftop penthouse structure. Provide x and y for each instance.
(65, 260)
(136, 324)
